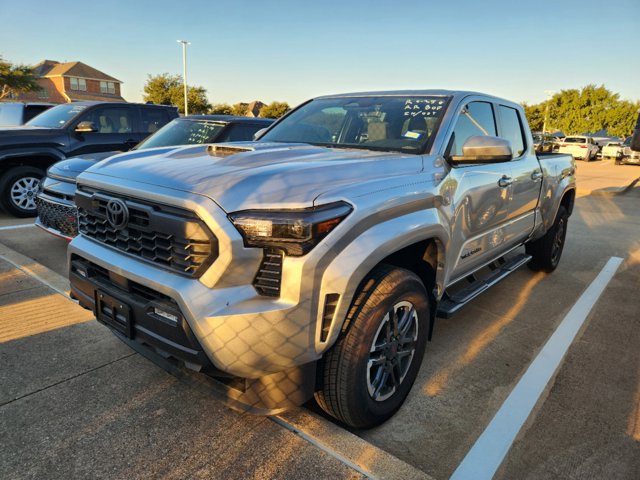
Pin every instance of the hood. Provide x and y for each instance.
(25, 135)
(270, 175)
(72, 167)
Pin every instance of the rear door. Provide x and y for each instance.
(115, 130)
(526, 173)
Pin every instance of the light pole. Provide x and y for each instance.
(184, 73)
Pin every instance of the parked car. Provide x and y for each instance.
(629, 156)
(64, 131)
(581, 147)
(314, 261)
(12, 114)
(543, 142)
(612, 150)
(57, 214)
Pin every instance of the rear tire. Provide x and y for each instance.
(366, 376)
(18, 189)
(547, 250)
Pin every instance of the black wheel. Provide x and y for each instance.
(366, 376)
(547, 250)
(18, 190)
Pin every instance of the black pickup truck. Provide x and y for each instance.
(66, 131)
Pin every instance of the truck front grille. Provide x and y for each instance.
(58, 217)
(268, 279)
(166, 236)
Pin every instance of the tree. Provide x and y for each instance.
(221, 109)
(240, 109)
(274, 110)
(16, 78)
(535, 116)
(588, 110)
(166, 89)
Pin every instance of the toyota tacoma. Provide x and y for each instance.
(315, 260)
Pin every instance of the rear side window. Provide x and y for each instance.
(239, 133)
(476, 119)
(511, 129)
(153, 119)
(31, 111)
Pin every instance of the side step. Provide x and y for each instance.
(499, 270)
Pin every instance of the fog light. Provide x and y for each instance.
(164, 314)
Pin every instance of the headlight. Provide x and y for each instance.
(295, 231)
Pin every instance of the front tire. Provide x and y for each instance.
(366, 376)
(18, 190)
(547, 250)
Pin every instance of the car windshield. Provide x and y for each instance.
(575, 140)
(182, 131)
(390, 123)
(57, 117)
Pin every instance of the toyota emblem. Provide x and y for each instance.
(117, 214)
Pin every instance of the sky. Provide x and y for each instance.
(284, 50)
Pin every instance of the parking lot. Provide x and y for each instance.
(76, 402)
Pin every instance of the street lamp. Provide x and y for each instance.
(184, 73)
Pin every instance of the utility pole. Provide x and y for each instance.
(184, 73)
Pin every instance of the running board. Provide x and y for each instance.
(499, 271)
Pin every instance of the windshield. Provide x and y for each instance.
(57, 117)
(395, 123)
(575, 140)
(183, 132)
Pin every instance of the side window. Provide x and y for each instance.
(111, 119)
(476, 119)
(239, 133)
(153, 119)
(511, 129)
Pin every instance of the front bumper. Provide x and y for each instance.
(149, 320)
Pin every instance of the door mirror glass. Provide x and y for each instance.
(484, 149)
(86, 127)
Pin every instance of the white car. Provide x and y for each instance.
(612, 150)
(581, 147)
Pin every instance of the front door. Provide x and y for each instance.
(115, 131)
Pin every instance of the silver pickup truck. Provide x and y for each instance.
(315, 260)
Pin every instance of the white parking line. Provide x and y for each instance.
(486, 455)
(14, 227)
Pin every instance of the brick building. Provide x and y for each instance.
(72, 81)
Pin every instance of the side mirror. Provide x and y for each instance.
(259, 133)
(635, 139)
(86, 127)
(484, 149)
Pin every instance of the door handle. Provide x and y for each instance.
(537, 175)
(505, 181)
